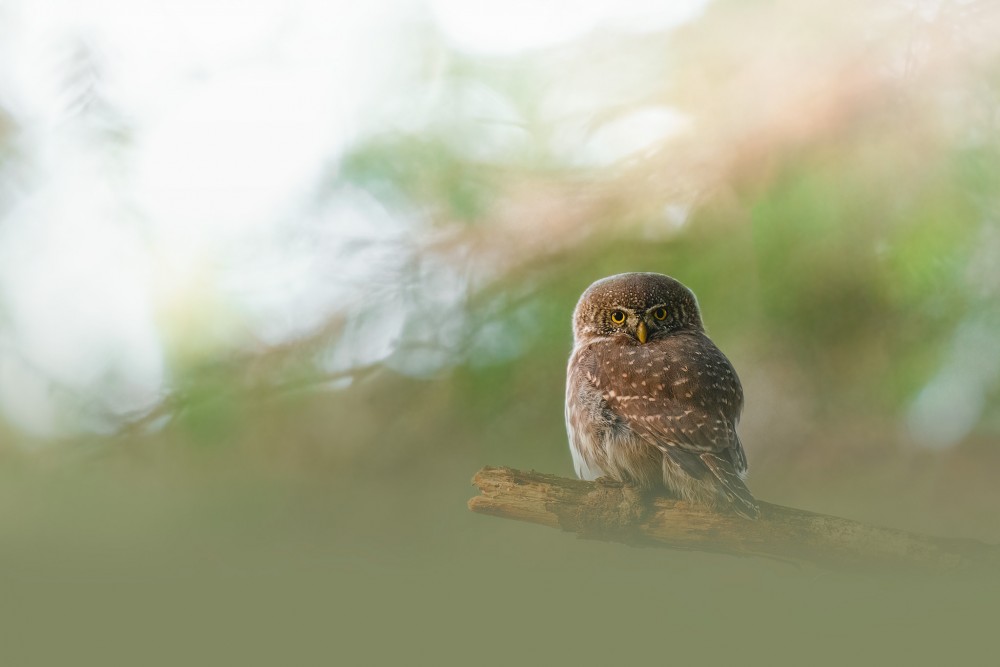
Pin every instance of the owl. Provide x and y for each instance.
(650, 400)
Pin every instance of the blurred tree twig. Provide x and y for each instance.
(623, 514)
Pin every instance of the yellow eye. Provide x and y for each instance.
(660, 313)
(617, 316)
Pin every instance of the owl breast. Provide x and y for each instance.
(589, 423)
(601, 443)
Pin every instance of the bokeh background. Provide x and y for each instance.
(276, 278)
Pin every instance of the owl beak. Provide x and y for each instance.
(641, 332)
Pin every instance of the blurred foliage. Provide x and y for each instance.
(824, 178)
(827, 186)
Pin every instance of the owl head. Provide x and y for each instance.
(640, 306)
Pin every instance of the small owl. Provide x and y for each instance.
(650, 399)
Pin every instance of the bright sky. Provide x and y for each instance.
(177, 237)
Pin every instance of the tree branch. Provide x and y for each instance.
(624, 514)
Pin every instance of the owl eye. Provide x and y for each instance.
(660, 313)
(617, 316)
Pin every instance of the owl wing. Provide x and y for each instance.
(685, 399)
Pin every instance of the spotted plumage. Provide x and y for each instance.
(650, 399)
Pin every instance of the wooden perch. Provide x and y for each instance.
(623, 514)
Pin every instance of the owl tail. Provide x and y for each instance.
(732, 486)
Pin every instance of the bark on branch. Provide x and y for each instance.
(623, 514)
